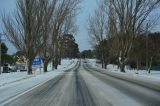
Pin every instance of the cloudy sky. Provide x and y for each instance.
(87, 7)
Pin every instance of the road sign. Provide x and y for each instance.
(36, 61)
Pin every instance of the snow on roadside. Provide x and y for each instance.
(13, 84)
(142, 74)
(8, 78)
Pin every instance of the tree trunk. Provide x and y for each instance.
(105, 65)
(137, 65)
(29, 67)
(122, 61)
(45, 64)
(53, 64)
(122, 66)
(56, 66)
(60, 56)
(102, 64)
(150, 65)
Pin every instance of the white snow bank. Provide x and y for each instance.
(142, 74)
(8, 78)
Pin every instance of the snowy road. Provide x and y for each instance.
(85, 87)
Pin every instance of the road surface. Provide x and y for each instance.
(85, 87)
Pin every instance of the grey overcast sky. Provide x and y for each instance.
(87, 7)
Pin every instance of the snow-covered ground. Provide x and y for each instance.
(12, 85)
(8, 78)
(142, 74)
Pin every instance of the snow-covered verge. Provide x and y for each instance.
(140, 74)
(8, 78)
(16, 84)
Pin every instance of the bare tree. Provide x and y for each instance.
(24, 29)
(48, 8)
(69, 27)
(65, 9)
(131, 18)
(153, 49)
(98, 31)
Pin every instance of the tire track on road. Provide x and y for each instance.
(84, 97)
(137, 92)
(68, 89)
(36, 95)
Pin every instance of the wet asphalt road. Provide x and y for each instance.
(86, 87)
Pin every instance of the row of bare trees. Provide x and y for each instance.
(145, 52)
(118, 23)
(37, 27)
